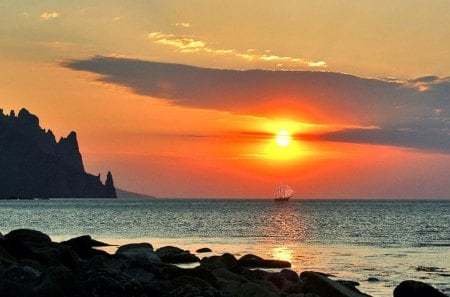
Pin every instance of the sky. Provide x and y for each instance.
(184, 99)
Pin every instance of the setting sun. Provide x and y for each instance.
(283, 138)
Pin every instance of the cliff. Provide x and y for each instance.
(34, 164)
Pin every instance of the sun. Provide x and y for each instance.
(283, 138)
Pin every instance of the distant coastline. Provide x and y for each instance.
(122, 194)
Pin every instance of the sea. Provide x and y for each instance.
(378, 243)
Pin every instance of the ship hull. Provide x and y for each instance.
(282, 199)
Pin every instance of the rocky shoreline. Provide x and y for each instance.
(31, 265)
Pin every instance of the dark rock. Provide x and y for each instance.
(23, 275)
(32, 263)
(373, 279)
(227, 275)
(104, 286)
(35, 165)
(171, 254)
(204, 250)
(225, 261)
(132, 246)
(4, 254)
(250, 260)
(10, 289)
(290, 275)
(411, 288)
(109, 284)
(429, 269)
(321, 285)
(58, 281)
(140, 252)
(349, 284)
(82, 245)
(252, 289)
(28, 236)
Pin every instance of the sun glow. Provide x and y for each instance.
(283, 138)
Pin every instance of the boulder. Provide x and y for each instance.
(319, 284)
(227, 275)
(225, 261)
(11, 289)
(349, 284)
(171, 254)
(22, 275)
(284, 282)
(252, 289)
(170, 272)
(109, 284)
(58, 281)
(411, 288)
(140, 252)
(204, 250)
(290, 275)
(83, 246)
(250, 260)
(4, 254)
(28, 236)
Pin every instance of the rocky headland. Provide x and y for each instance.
(32, 265)
(34, 165)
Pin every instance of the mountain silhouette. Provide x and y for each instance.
(34, 165)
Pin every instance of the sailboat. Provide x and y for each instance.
(283, 193)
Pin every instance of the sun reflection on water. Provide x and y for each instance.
(283, 253)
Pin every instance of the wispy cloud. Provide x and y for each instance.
(188, 44)
(182, 24)
(184, 44)
(49, 15)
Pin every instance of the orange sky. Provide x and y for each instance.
(209, 132)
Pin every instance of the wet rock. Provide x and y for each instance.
(171, 254)
(22, 275)
(411, 288)
(109, 284)
(103, 286)
(319, 284)
(227, 275)
(140, 252)
(204, 250)
(83, 246)
(225, 261)
(429, 269)
(28, 236)
(4, 254)
(57, 281)
(250, 260)
(10, 289)
(252, 289)
(290, 275)
(350, 284)
(32, 263)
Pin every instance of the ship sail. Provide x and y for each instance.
(283, 192)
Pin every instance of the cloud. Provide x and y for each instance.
(396, 113)
(184, 44)
(182, 24)
(49, 15)
(187, 44)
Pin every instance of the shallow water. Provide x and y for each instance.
(388, 240)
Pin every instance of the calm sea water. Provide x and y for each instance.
(389, 240)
